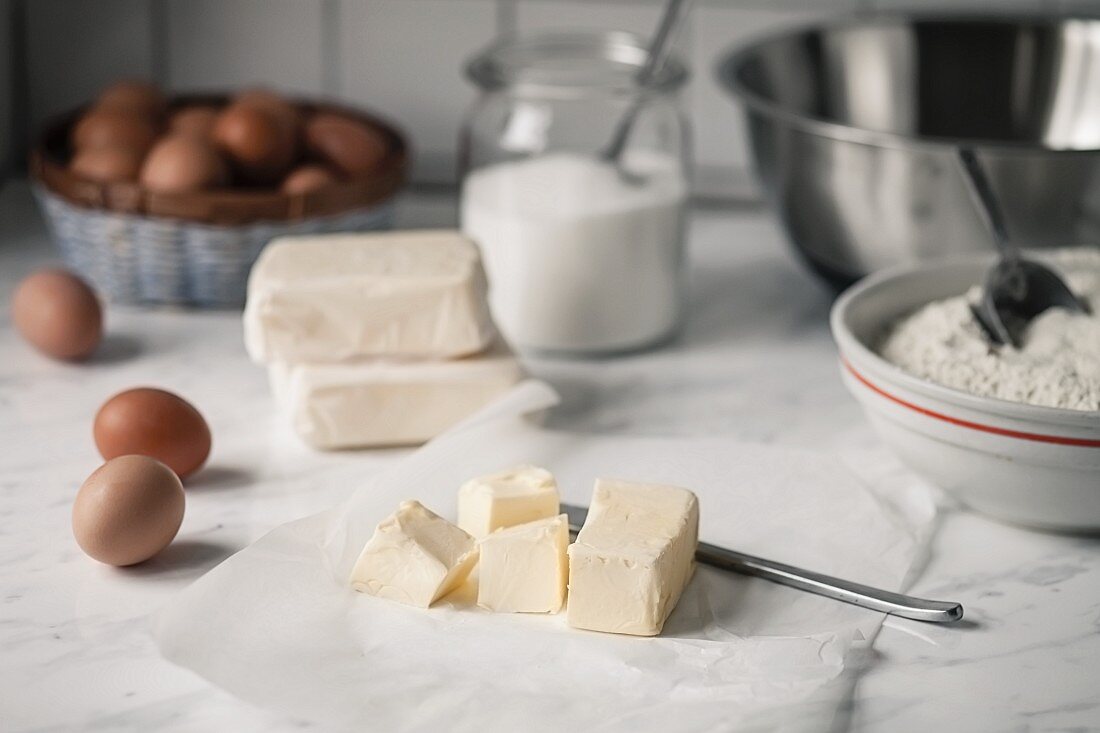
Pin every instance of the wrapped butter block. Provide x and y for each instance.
(524, 569)
(337, 297)
(367, 404)
(414, 557)
(514, 496)
(633, 557)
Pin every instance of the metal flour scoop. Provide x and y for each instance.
(1015, 289)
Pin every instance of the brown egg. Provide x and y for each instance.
(306, 178)
(283, 110)
(134, 95)
(107, 165)
(198, 120)
(258, 145)
(351, 146)
(128, 510)
(155, 423)
(114, 128)
(182, 163)
(274, 103)
(58, 314)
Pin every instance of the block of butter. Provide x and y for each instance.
(414, 557)
(633, 557)
(524, 569)
(336, 297)
(509, 497)
(366, 404)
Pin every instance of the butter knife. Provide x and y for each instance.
(864, 596)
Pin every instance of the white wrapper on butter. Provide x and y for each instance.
(278, 625)
(335, 297)
(376, 403)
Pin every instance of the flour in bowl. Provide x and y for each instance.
(1057, 366)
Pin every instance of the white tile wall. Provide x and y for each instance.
(233, 43)
(76, 48)
(404, 58)
(721, 145)
(400, 57)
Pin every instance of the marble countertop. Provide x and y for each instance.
(755, 362)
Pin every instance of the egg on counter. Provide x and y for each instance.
(114, 128)
(128, 510)
(181, 163)
(58, 314)
(258, 144)
(349, 145)
(134, 95)
(195, 120)
(107, 165)
(307, 178)
(156, 423)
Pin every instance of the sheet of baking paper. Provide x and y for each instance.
(276, 624)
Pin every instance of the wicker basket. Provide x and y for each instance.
(196, 248)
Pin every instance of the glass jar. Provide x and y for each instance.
(584, 254)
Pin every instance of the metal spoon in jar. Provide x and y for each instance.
(659, 48)
(1015, 289)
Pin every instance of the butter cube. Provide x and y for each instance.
(415, 557)
(515, 496)
(524, 568)
(335, 297)
(633, 557)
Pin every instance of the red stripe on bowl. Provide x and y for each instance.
(1037, 437)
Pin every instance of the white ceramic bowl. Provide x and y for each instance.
(1036, 466)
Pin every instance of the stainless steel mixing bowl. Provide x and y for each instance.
(853, 125)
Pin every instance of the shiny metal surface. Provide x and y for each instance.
(864, 596)
(853, 127)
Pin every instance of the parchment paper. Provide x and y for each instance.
(276, 624)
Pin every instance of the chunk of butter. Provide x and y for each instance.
(367, 404)
(524, 569)
(633, 557)
(503, 499)
(336, 297)
(414, 557)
